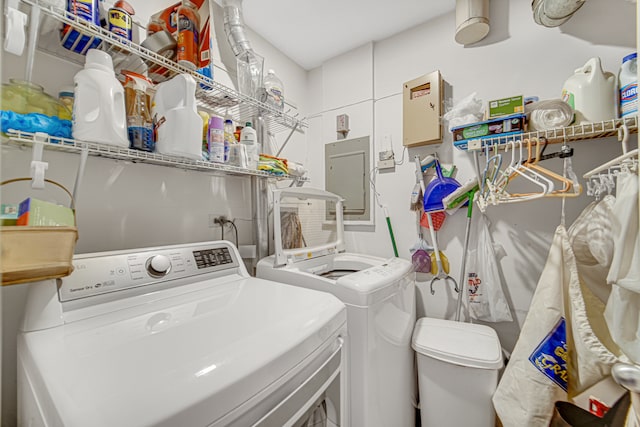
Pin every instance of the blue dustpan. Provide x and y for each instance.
(437, 190)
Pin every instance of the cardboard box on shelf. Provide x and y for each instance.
(506, 106)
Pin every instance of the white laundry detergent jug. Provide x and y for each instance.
(591, 92)
(98, 109)
(178, 125)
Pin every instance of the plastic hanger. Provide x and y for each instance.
(500, 195)
(568, 184)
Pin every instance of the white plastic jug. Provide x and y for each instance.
(98, 109)
(592, 93)
(178, 125)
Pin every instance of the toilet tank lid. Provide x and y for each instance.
(465, 344)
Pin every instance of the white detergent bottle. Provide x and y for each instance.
(178, 124)
(98, 109)
(592, 93)
(249, 139)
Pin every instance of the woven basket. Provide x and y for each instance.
(30, 253)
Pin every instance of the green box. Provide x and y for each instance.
(506, 106)
(45, 214)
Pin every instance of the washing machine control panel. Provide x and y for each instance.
(117, 271)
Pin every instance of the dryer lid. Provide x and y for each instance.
(308, 223)
(187, 360)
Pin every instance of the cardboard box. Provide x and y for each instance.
(506, 106)
(40, 213)
(497, 129)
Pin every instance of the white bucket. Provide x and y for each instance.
(178, 125)
(592, 93)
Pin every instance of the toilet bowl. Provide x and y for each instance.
(458, 365)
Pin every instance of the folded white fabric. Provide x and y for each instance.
(548, 114)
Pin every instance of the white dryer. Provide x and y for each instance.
(379, 295)
(178, 336)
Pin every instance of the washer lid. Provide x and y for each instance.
(186, 360)
(465, 344)
(307, 224)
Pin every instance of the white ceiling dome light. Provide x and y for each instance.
(472, 21)
(552, 13)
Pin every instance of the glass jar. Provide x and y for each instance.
(24, 97)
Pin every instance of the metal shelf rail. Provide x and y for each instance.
(217, 97)
(119, 153)
(579, 132)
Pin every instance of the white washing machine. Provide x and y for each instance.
(179, 336)
(379, 295)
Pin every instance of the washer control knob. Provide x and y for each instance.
(158, 265)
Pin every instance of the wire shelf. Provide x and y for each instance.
(135, 156)
(579, 132)
(210, 94)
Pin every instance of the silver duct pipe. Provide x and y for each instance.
(234, 26)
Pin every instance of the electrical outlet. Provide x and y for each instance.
(386, 164)
(385, 155)
(216, 220)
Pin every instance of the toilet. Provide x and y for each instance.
(458, 365)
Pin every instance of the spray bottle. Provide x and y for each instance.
(138, 106)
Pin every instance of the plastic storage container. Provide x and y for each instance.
(458, 366)
(274, 91)
(628, 85)
(98, 108)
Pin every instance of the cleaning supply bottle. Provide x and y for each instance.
(229, 140)
(249, 139)
(628, 84)
(178, 125)
(138, 106)
(591, 92)
(98, 109)
(216, 140)
(274, 91)
(188, 35)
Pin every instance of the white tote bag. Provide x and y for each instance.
(560, 351)
(536, 375)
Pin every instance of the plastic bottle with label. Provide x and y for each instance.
(229, 141)
(138, 106)
(216, 140)
(188, 35)
(274, 91)
(98, 109)
(628, 86)
(249, 139)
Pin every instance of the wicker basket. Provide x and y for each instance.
(29, 253)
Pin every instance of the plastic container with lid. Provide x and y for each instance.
(274, 91)
(188, 35)
(592, 93)
(98, 110)
(457, 362)
(628, 85)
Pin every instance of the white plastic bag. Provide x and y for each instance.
(486, 298)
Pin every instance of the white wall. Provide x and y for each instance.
(124, 205)
(518, 57)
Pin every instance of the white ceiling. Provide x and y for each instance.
(310, 32)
